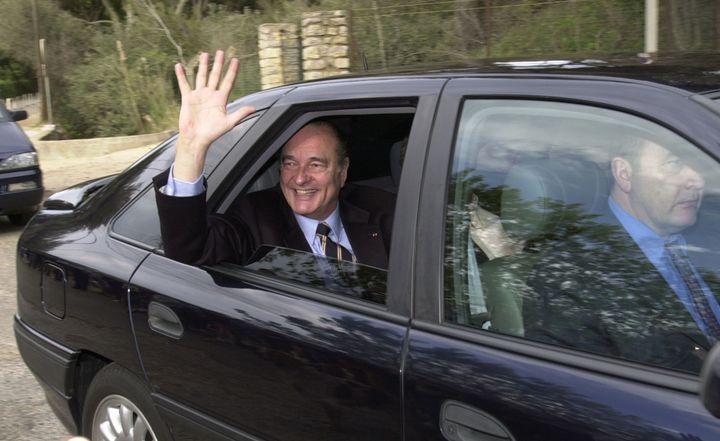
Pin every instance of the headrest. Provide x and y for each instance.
(540, 194)
(396, 159)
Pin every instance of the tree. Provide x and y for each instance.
(16, 78)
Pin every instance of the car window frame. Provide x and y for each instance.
(256, 159)
(597, 92)
(168, 148)
(284, 103)
(314, 100)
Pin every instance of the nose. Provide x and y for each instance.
(302, 176)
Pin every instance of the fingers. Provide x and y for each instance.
(229, 79)
(214, 78)
(181, 79)
(201, 79)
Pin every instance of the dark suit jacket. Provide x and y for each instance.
(190, 235)
(591, 287)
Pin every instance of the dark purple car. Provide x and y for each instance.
(21, 189)
(573, 335)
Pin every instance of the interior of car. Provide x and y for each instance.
(375, 144)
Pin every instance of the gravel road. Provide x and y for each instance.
(24, 414)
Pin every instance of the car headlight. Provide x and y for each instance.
(21, 160)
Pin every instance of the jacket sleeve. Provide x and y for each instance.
(192, 236)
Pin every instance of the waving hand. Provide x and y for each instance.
(203, 115)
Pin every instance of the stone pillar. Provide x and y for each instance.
(326, 44)
(279, 53)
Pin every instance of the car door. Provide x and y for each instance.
(269, 350)
(556, 335)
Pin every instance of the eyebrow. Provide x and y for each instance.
(310, 159)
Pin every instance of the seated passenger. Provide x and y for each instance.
(308, 211)
(621, 283)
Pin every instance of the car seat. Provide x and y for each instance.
(539, 198)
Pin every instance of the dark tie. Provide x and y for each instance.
(697, 294)
(329, 247)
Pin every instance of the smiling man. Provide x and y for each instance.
(311, 209)
(313, 169)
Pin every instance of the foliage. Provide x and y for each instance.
(16, 78)
(65, 37)
(574, 27)
(110, 62)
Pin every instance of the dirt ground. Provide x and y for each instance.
(24, 413)
(62, 173)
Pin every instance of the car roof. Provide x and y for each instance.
(692, 72)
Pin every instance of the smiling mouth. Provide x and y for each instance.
(301, 192)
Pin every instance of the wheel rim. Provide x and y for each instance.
(118, 419)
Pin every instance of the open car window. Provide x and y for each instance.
(375, 141)
(139, 221)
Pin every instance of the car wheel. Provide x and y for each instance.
(118, 407)
(20, 219)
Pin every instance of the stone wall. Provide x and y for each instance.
(279, 51)
(326, 44)
(75, 148)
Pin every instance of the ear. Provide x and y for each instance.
(344, 171)
(622, 173)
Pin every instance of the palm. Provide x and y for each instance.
(203, 117)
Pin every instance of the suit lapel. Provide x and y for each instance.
(365, 238)
(292, 236)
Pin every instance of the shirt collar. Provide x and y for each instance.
(309, 226)
(648, 240)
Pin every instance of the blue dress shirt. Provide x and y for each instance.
(653, 246)
(178, 188)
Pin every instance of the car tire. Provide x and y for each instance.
(20, 219)
(117, 403)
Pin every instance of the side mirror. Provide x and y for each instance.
(73, 197)
(19, 115)
(710, 381)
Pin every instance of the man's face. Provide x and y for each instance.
(311, 174)
(665, 194)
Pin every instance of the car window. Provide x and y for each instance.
(584, 228)
(139, 222)
(350, 279)
(375, 144)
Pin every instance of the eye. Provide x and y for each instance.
(674, 164)
(288, 163)
(317, 166)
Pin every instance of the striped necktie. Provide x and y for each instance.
(330, 247)
(697, 294)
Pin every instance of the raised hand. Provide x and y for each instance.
(203, 116)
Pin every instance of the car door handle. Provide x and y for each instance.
(460, 422)
(163, 320)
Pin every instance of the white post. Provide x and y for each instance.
(46, 80)
(651, 27)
